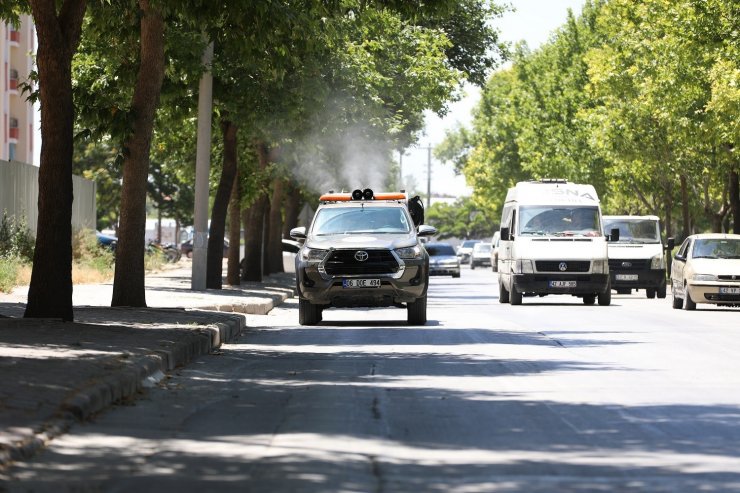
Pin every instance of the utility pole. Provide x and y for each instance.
(400, 169)
(202, 163)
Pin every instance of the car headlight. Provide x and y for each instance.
(657, 263)
(313, 254)
(409, 253)
(600, 266)
(704, 277)
(524, 267)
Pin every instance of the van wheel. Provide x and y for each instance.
(416, 312)
(308, 313)
(650, 293)
(661, 291)
(605, 298)
(589, 299)
(515, 297)
(503, 294)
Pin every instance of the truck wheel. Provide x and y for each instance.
(416, 312)
(605, 298)
(677, 302)
(589, 299)
(503, 294)
(650, 293)
(308, 314)
(661, 292)
(515, 297)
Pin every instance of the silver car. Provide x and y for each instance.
(362, 250)
(442, 260)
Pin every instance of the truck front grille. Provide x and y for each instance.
(563, 265)
(629, 264)
(344, 263)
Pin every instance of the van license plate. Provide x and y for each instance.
(562, 284)
(729, 290)
(361, 283)
(627, 277)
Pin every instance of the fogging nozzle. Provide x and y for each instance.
(357, 194)
(367, 194)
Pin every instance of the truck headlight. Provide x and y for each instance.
(600, 266)
(704, 277)
(657, 263)
(313, 254)
(409, 253)
(524, 267)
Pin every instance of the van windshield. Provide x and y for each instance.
(634, 230)
(559, 221)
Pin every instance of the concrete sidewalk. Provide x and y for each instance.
(55, 373)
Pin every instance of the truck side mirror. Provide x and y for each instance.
(670, 244)
(505, 234)
(614, 234)
(298, 233)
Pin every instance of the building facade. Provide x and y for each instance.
(17, 46)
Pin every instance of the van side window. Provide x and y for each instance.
(512, 227)
(506, 218)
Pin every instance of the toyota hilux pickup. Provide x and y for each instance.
(363, 250)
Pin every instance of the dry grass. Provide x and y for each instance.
(23, 275)
(84, 274)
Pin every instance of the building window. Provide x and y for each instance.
(11, 152)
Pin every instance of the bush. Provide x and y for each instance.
(16, 240)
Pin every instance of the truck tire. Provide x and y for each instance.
(650, 293)
(515, 297)
(503, 294)
(661, 291)
(308, 313)
(416, 312)
(605, 298)
(589, 299)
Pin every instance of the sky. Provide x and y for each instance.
(532, 21)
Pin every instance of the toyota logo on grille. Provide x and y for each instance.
(361, 255)
(563, 266)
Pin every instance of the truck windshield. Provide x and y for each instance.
(367, 219)
(559, 221)
(634, 230)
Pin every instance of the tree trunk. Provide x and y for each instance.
(233, 277)
(50, 290)
(253, 231)
(215, 261)
(292, 208)
(128, 282)
(735, 201)
(275, 240)
(668, 214)
(685, 208)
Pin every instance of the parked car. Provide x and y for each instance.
(465, 249)
(481, 254)
(108, 241)
(495, 241)
(186, 247)
(706, 269)
(443, 261)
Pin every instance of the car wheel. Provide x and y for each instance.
(650, 293)
(308, 313)
(589, 299)
(688, 303)
(416, 312)
(472, 265)
(515, 297)
(661, 291)
(503, 294)
(605, 298)
(457, 274)
(677, 302)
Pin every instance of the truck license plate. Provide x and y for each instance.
(627, 277)
(729, 290)
(563, 284)
(361, 283)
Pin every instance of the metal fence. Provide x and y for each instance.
(19, 195)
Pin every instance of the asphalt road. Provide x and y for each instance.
(549, 396)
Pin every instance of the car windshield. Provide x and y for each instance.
(482, 247)
(716, 248)
(366, 219)
(469, 243)
(440, 250)
(559, 221)
(634, 230)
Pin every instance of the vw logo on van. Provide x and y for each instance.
(626, 265)
(361, 255)
(563, 266)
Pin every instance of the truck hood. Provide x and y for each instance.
(634, 250)
(365, 240)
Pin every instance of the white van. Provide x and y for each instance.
(637, 260)
(552, 242)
